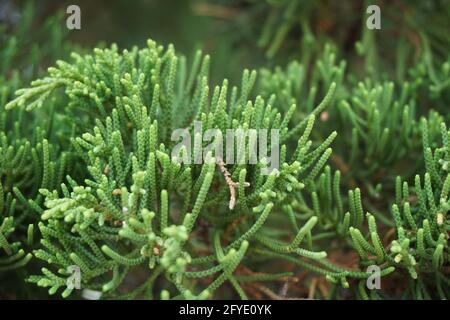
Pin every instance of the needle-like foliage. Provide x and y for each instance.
(115, 171)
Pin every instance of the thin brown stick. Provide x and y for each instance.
(271, 294)
(312, 288)
(231, 184)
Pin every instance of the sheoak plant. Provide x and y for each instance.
(97, 184)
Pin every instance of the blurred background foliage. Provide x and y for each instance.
(254, 33)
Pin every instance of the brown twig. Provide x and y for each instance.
(231, 184)
(271, 294)
(312, 288)
(284, 289)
